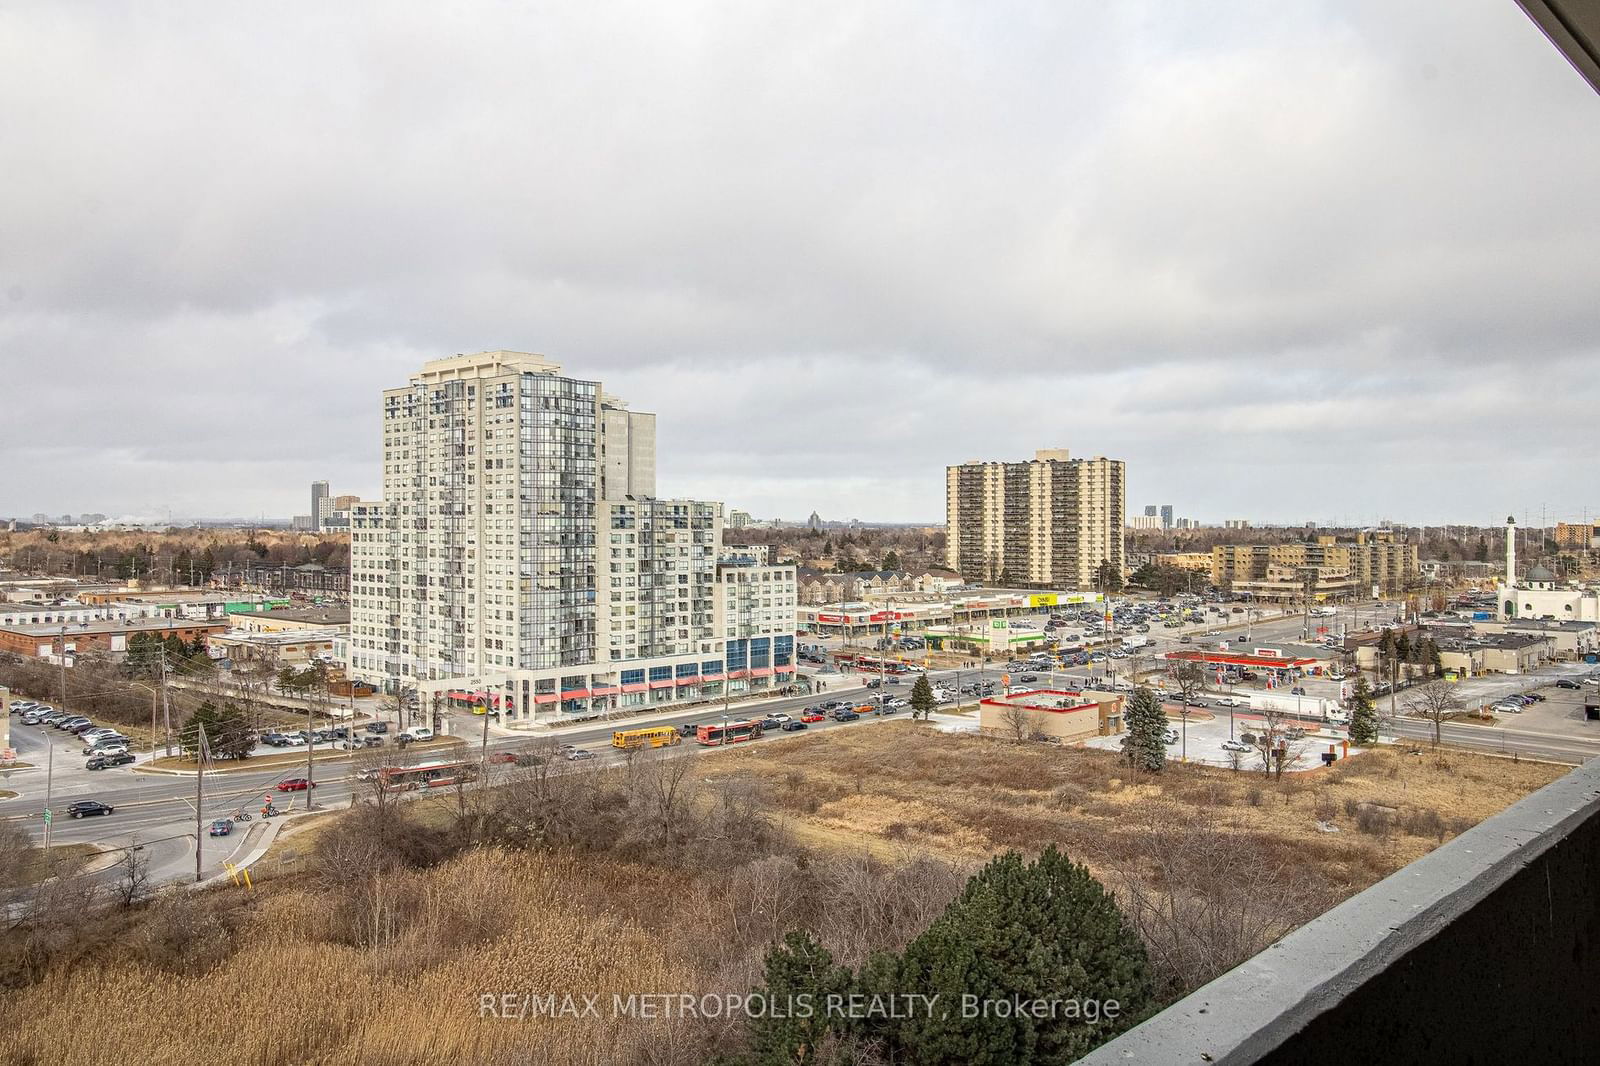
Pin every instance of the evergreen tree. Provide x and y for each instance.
(1045, 930)
(891, 561)
(795, 1018)
(1363, 714)
(922, 701)
(1144, 745)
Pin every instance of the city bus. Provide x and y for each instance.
(659, 736)
(735, 732)
(426, 775)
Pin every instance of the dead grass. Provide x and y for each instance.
(967, 797)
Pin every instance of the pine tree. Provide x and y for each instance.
(795, 1019)
(1363, 715)
(1041, 930)
(922, 701)
(1145, 746)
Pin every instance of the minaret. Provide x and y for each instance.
(1511, 550)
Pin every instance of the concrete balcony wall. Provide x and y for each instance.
(1486, 950)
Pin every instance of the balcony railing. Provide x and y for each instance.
(1485, 950)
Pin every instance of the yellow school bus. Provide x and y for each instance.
(659, 736)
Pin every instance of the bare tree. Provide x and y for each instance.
(1204, 899)
(1435, 702)
(1187, 678)
(1275, 744)
(1018, 723)
(132, 884)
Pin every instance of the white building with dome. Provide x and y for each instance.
(1539, 594)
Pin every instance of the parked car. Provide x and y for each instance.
(276, 740)
(793, 726)
(418, 732)
(1567, 682)
(73, 722)
(295, 784)
(106, 760)
(1234, 745)
(1170, 736)
(1507, 707)
(85, 808)
(376, 727)
(221, 827)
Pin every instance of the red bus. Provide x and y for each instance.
(735, 732)
(425, 775)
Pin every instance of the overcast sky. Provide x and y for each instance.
(1289, 261)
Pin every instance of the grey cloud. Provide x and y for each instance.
(834, 246)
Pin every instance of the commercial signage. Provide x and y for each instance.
(1266, 653)
(1048, 599)
(999, 624)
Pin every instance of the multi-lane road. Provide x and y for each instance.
(157, 811)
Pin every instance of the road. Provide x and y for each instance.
(157, 811)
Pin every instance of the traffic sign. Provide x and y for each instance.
(48, 817)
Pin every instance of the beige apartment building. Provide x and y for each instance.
(1050, 522)
(1344, 569)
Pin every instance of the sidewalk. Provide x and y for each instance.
(698, 710)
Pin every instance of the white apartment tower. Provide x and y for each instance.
(1052, 522)
(519, 551)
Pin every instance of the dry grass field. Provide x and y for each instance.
(901, 784)
(868, 833)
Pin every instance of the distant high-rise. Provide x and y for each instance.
(1166, 516)
(519, 549)
(1150, 509)
(1053, 521)
(319, 503)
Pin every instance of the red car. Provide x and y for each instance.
(812, 716)
(295, 784)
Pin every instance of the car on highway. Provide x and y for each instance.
(106, 760)
(813, 716)
(1234, 745)
(793, 726)
(1028, 677)
(295, 784)
(780, 717)
(1227, 701)
(769, 722)
(844, 714)
(85, 808)
(221, 827)
(579, 753)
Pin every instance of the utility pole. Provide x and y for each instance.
(166, 706)
(63, 668)
(199, 793)
(49, 780)
(311, 743)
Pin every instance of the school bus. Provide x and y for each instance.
(660, 736)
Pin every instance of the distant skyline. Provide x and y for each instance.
(1288, 262)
